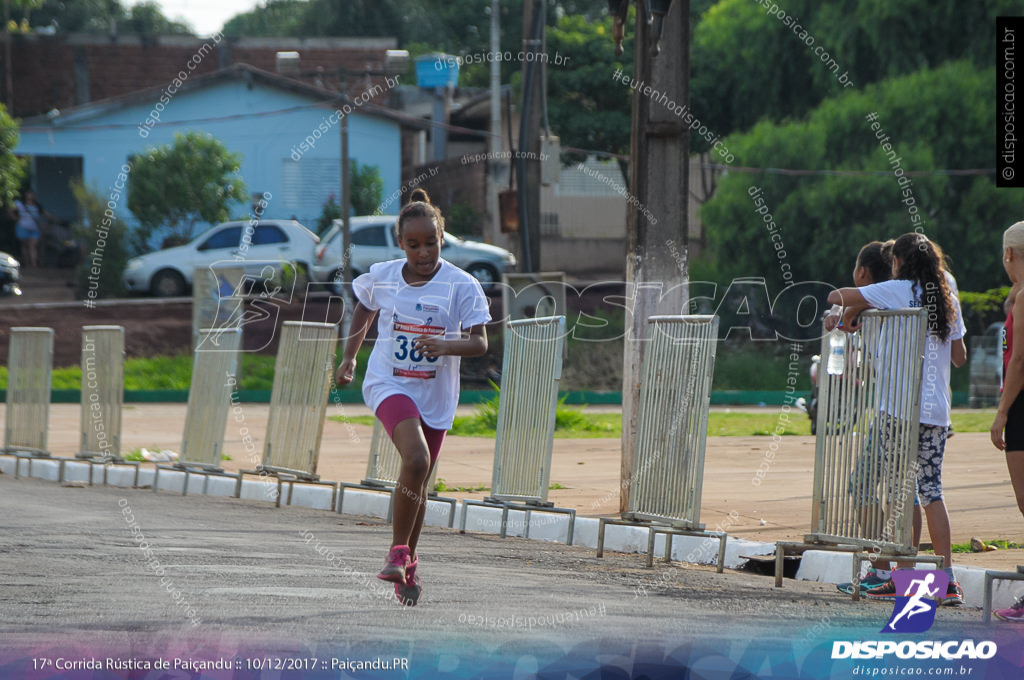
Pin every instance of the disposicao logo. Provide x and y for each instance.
(914, 611)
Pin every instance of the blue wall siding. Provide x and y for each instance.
(267, 143)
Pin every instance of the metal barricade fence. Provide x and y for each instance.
(672, 422)
(30, 365)
(298, 406)
(212, 391)
(865, 465)
(530, 376)
(298, 402)
(210, 396)
(667, 475)
(865, 462)
(102, 392)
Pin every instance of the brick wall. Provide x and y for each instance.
(64, 71)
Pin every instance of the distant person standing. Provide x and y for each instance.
(29, 227)
(1008, 427)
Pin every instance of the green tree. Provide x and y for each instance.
(104, 243)
(934, 118)
(12, 170)
(367, 188)
(95, 16)
(366, 194)
(591, 111)
(747, 65)
(172, 187)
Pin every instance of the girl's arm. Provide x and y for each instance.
(1014, 375)
(958, 353)
(853, 300)
(471, 344)
(362, 317)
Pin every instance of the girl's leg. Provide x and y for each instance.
(414, 538)
(1015, 464)
(930, 449)
(938, 529)
(409, 497)
(434, 439)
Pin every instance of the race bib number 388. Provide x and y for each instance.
(408, 362)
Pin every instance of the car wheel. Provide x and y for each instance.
(167, 283)
(336, 282)
(485, 273)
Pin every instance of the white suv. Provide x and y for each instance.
(168, 273)
(373, 240)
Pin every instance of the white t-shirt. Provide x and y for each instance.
(935, 395)
(451, 301)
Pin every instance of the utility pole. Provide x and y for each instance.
(492, 228)
(346, 202)
(528, 162)
(659, 179)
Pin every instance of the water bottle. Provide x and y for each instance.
(836, 352)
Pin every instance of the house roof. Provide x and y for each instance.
(236, 72)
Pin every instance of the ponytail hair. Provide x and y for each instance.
(420, 206)
(921, 262)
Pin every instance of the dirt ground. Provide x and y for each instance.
(976, 483)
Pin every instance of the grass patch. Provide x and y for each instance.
(569, 422)
(973, 421)
(175, 373)
(355, 420)
(1000, 543)
(441, 486)
(757, 424)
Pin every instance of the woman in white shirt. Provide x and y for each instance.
(920, 280)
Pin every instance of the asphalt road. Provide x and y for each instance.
(239, 578)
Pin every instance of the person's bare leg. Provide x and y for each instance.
(414, 537)
(409, 497)
(1015, 464)
(938, 530)
(917, 538)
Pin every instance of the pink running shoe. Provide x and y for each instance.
(1014, 614)
(394, 569)
(408, 593)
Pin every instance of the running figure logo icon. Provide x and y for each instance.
(914, 611)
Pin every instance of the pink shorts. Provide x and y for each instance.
(399, 407)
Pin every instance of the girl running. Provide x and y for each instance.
(920, 280)
(429, 314)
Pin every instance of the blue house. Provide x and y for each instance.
(287, 132)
